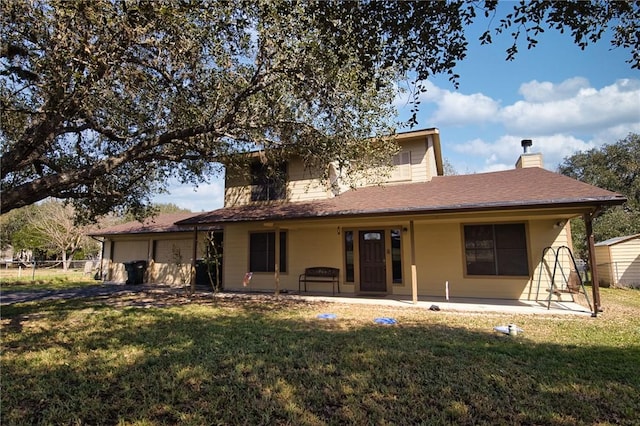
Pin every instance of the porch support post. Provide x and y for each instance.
(194, 257)
(595, 285)
(102, 243)
(276, 273)
(414, 271)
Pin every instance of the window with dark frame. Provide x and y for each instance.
(496, 249)
(268, 183)
(262, 251)
(396, 255)
(348, 253)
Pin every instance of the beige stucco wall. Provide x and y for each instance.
(172, 261)
(439, 257)
(165, 268)
(438, 244)
(324, 248)
(306, 247)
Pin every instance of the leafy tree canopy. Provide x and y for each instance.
(47, 227)
(615, 167)
(14, 229)
(103, 101)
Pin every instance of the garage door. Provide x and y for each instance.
(126, 251)
(168, 251)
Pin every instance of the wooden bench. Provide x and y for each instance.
(320, 274)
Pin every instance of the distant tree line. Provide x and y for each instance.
(49, 231)
(615, 167)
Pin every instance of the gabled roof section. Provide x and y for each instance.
(160, 223)
(424, 133)
(617, 240)
(511, 189)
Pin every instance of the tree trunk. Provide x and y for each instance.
(65, 263)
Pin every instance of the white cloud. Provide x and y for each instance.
(615, 133)
(569, 107)
(451, 108)
(473, 145)
(556, 148)
(561, 118)
(589, 110)
(502, 153)
(496, 167)
(535, 91)
(459, 109)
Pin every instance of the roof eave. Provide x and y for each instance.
(174, 229)
(589, 204)
(125, 232)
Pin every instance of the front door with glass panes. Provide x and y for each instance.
(373, 271)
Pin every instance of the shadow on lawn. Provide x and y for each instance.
(253, 365)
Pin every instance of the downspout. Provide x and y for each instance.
(595, 285)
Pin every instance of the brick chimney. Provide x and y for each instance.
(528, 159)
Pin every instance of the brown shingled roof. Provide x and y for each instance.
(511, 189)
(160, 223)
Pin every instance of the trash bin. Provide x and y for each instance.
(135, 271)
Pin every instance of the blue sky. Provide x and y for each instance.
(565, 99)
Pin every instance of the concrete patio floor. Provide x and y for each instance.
(455, 304)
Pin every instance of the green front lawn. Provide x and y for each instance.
(43, 279)
(274, 362)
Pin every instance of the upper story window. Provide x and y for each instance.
(496, 249)
(401, 166)
(268, 182)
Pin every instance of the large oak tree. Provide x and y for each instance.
(104, 100)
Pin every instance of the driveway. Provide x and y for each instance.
(102, 290)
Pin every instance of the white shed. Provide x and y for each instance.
(618, 261)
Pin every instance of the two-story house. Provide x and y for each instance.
(418, 234)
